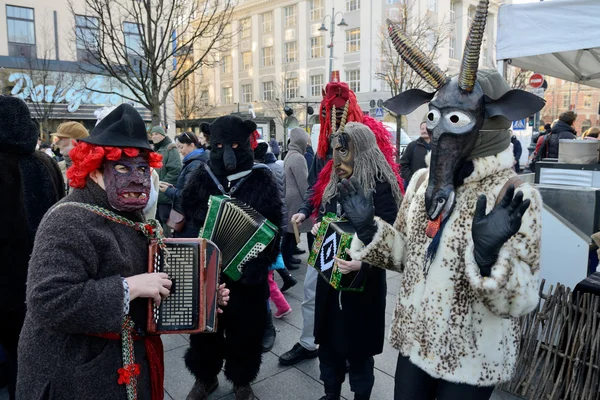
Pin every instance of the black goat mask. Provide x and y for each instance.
(457, 109)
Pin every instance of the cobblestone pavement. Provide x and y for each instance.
(300, 382)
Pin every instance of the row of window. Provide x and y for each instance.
(290, 52)
(290, 89)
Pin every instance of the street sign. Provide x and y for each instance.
(538, 91)
(536, 80)
(379, 103)
(379, 112)
(372, 103)
(519, 125)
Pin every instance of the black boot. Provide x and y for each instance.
(362, 396)
(332, 391)
(270, 333)
(288, 280)
(201, 390)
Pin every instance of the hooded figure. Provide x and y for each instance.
(467, 246)
(242, 324)
(30, 183)
(88, 286)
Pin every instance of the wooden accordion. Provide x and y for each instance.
(193, 265)
(238, 230)
(332, 240)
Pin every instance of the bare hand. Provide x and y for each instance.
(155, 286)
(346, 267)
(315, 228)
(163, 186)
(298, 218)
(222, 297)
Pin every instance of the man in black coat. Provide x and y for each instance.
(243, 320)
(30, 183)
(413, 158)
(349, 326)
(562, 129)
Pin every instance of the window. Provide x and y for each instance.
(246, 60)
(21, 31)
(393, 13)
(452, 46)
(86, 34)
(353, 80)
(204, 98)
(452, 11)
(432, 5)
(316, 85)
(352, 5)
(291, 88)
(352, 40)
(289, 14)
(247, 93)
(566, 102)
(246, 28)
(291, 52)
(268, 91)
(226, 65)
(267, 22)
(316, 10)
(316, 47)
(395, 1)
(470, 17)
(227, 95)
(133, 39)
(587, 100)
(267, 56)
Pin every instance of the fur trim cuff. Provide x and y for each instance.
(384, 251)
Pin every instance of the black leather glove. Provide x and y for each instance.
(491, 231)
(358, 208)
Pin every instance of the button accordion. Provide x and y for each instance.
(238, 230)
(193, 265)
(332, 240)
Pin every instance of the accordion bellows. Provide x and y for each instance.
(238, 230)
(193, 265)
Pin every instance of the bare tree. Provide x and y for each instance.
(518, 78)
(152, 46)
(191, 102)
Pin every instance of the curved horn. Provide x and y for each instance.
(344, 116)
(470, 60)
(414, 57)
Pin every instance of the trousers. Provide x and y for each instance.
(412, 383)
(333, 370)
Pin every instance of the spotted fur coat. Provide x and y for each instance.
(451, 322)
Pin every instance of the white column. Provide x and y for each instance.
(235, 56)
(278, 43)
(303, 32)
(256, 47)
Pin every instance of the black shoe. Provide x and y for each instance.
(296, 354)
(288, 282)
(298, 251)
(243, 392)
(292, 267)
(269, 336)
(295, 260)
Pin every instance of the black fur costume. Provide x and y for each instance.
(244, 317)
(30, 183)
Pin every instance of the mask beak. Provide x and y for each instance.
(229, 158)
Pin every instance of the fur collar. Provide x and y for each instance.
(491, 165)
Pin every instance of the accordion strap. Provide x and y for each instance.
(237, 185)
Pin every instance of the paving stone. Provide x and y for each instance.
(383, 388)
(171, 342)
(295, 317)
(287, 336)
(289, 384)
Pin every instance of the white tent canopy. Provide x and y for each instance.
(555, 38)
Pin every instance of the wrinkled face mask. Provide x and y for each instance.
(127, 183)
(343, 155)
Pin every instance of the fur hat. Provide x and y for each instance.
(71, 130)
(225, 133)
(18, 132)
(123, 127)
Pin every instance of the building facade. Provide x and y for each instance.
(280, 56)
(40, 60)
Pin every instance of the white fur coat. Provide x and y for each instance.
(453, 323)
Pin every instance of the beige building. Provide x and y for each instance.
(280, 55)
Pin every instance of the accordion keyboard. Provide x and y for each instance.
(238, 224)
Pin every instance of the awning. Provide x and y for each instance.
(554, 38)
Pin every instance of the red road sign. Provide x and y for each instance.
(536, 80)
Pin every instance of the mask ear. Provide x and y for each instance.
(250, 126)
(514, 105)
(408, 101)
(205, 128)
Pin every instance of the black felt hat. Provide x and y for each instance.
(123, 127)
(18, 132)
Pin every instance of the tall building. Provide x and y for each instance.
(281, 56)
(40, 59)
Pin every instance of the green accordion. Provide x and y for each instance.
(238, 230)
(333, 238)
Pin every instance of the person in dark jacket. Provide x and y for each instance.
(275, 149)
(194, 154)
(168, 173)
(309, 155)
(517, 151)
(30, 183)
(349, 326)
(413, 158)
(562, 129)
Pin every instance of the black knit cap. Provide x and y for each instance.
(123, 127)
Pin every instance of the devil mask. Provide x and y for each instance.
(458, 108)
(230, 144)
(343, 155)
(127, 183)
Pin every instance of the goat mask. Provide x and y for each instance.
(457, 110)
